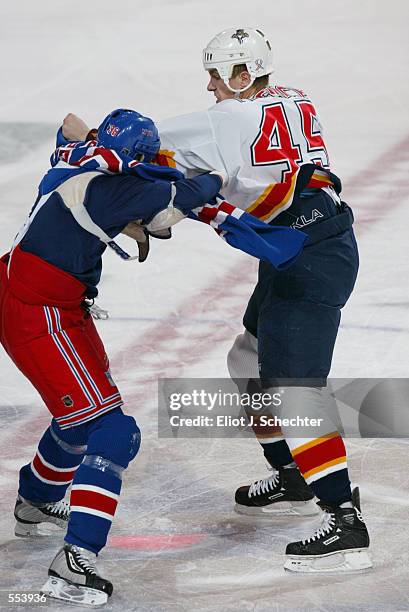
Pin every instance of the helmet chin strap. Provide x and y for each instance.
(237, 92)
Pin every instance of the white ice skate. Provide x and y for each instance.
(30, 517)
(73, 578)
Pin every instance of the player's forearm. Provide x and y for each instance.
(197, 191)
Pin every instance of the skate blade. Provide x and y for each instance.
(22, 530)
(308, 508)
(349, 561)
(37, 530)
(79, 595)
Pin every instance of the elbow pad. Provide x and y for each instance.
(165, 219)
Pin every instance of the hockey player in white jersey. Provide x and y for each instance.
(268, 141)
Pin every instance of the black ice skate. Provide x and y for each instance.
(74, 578)
(285, 492)
(339, 545)
(30, 516)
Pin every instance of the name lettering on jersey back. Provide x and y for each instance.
(277, 91)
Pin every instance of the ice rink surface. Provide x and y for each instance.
(176, 544)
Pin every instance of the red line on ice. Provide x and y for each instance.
(156, 542)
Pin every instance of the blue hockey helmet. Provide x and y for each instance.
(130, 133)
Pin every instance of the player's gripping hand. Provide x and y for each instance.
(135, 231)
(74, 128)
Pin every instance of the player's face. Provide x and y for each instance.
(219, 87)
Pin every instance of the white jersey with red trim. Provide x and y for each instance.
(259, 144)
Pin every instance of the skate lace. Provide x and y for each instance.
(265, 485)
(85, 562)
(61, 509)
(328, 521)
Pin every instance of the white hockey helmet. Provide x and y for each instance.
(239, 46)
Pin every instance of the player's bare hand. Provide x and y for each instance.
(74, 128)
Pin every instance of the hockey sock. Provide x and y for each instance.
(93, 502)
(316, 446)
(58, 456)
(113, 441)
(277, 453)
(322, 461)
(271, 437)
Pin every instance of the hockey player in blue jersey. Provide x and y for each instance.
(54, 266)
(95, 190)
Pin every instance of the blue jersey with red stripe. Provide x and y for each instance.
(112, 202)
(279, 246)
